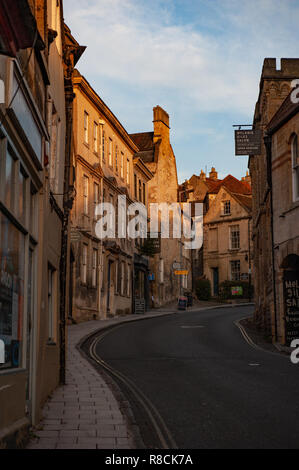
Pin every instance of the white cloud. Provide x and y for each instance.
(202, 66)
(145, 51)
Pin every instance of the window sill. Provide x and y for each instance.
(12, 371)
(294, 206)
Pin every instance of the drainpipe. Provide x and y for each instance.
(268, 145)
(67, 206)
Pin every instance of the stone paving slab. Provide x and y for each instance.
(84, 413)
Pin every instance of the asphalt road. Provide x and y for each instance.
(213, 390)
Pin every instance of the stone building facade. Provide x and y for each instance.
(32, 211)
(227, 234)
(275, 86)
(226, 251)
(283, 154)
(103, 270)
(156, 152)
(141, 283)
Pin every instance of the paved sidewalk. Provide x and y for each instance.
(84, 414)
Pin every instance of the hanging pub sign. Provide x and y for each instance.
(248, 142)
(291, 300)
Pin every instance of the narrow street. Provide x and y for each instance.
(212, 389)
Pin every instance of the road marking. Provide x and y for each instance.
(254, 365)
(192, 327)
(153, 414)
(251, 343)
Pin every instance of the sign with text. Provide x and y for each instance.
(291, 300)
(248, 142)
(237, 291)
(181, 273)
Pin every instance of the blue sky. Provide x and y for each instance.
(200, 60)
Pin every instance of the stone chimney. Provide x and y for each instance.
(161, 124)
(247, 178)
(213, 174)
(202, 176)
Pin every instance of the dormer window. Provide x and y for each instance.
(226, 209)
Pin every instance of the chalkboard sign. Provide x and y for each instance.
(291, 299)
(139, 306)
(183, 301)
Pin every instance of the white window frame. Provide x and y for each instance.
(86, 195)
(86, 127)
(128, 172)
(116, 158)
(103, 145)
(96, 192)
(84, 263)
(110, 161)
(122, 159)
(95, 137)
(234, 239)
(225, 205)
(94, 267)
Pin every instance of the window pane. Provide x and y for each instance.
(94, 267)
(95, 137)
(22, 195)
(86, 117)
(85, 194)
(12, 248)
(9, 177)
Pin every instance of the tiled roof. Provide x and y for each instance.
(233, 185)
(244, 200)
(284, 113)
(143, 140)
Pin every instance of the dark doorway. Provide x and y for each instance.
(216, 282)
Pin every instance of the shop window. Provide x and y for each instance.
(12, 266)
(22, 183)
(9, 182)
